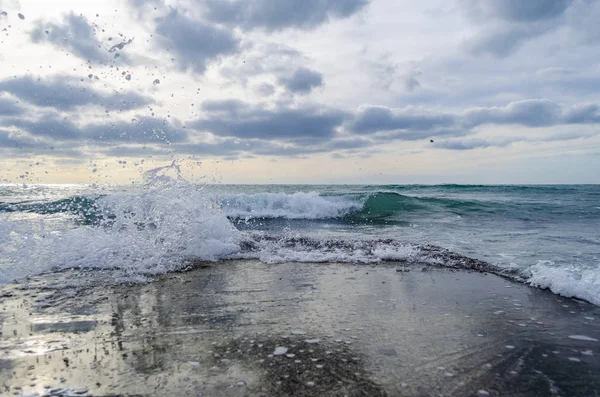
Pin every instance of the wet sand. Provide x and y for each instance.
(244, 328)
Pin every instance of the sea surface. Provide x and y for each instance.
(544, 235)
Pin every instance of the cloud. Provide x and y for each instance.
(282, 14)
(269, 60)
(144, 129)
(12, 139)
(531, 113)
(508, 24)
(9, 108)
(302, 81)
(373, 119)
(414, 123)
(502, 41)
(64, 93)
(480, 143)
(265, 89)
(76, 35)
(195, 43)
(238, 119)
(515, 10)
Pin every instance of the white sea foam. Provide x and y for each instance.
(567, 281)
(299, 205)
(302, 249)
(149, 232)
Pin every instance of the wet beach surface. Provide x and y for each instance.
(245, 328)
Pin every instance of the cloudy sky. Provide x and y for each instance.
(311, 91)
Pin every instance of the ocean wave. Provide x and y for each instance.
(169, 223)
(298, 205)
(380, 206)
(567, 281)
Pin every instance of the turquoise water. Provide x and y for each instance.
(546, 235)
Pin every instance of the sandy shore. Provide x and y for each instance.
(244, 328)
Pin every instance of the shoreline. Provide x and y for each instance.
(389, 329)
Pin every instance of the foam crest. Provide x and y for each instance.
(298, 205)
(567, 281)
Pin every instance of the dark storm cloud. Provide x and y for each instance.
(302, 81)
(62, 93)
(9, 108)
(74, 34)
(195, 43)
(143, 130)
(237, 119)
(282, 14)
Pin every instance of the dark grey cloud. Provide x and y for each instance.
(76, 35)
(530, 113)
(8, 107)
(257, 147)
(265, 89)
(65, 93)
(508, 24)
(516, 10)
(237, 119)
(502, 41)
(375, 119)
(470, 144)
(145, 130)
(142, 130)
(582, 114)
(281, 14)
(302, 81)
(412, 123)
(135, 151)
(11, 139)
(480, 143)
(18, 144)
(195, 43)
(48, 126)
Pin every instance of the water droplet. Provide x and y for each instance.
(156, 82)
(128, 77)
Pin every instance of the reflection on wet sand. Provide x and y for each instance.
(346, 330)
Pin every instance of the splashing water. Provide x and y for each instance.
(140, 233)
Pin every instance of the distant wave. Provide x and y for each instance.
(354, 208)
(299, 205)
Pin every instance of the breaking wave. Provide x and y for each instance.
(169, 224)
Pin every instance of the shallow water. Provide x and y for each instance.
(246, 328)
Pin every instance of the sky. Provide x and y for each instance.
(312, 91)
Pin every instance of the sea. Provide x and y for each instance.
(547, 236)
